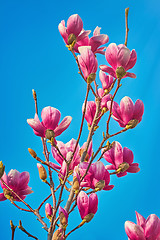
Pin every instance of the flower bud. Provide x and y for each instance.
(123, 167)
(88, 217)
(42, 172)
(132, 123)
(71, 39)
(63, 216)
(49, 134)
(120, 72)
(75, 184)
(32, 152)
(100, 185)
(48, 211)
(91, 77)
(2, 168)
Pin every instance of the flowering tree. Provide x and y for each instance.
(80, 170)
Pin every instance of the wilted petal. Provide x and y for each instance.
(63, 125)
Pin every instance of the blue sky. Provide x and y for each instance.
(33, 55)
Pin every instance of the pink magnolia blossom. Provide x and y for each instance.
(87, 205)
(18, 182)
(127, 113)
(48, 210)
(122, 159)
(49, 126)
(74, 30)
(87, 61)
(119, 57)
(90, 112)
(101, 177)
(106, 80)
(145, 229)
(94, 42)
(79, 172)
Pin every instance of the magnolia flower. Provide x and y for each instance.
(63, 215)
(121, 59)
(101, 177)
(18, 182)
(74, 32)
(87, 206)
(88, 63)
(49, 127)
(94, 42)
(106, 80)
(121, 160)
(105, 98)
(145, 229)
(127, 114)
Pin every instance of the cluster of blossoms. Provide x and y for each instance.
(75, 165)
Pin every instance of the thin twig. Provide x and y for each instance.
(127, 29)
(80, 225)
(26, 210)
(13, 228)
(35, 100)
(44, 201)
(24, 230)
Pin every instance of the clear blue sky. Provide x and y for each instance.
(33, 55)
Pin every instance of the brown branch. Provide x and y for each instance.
(56, 147)
(23, 230)
(26, 210)
(13, 228)
(127, 29)
(35, 100)
(80, 225)
(44, 201)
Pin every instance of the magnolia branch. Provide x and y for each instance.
(13, 228)
(24, 230)
(127, 29)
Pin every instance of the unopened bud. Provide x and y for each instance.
(104, 110)
(88, 217)
(2, 168)
(32, 152)
(42, 172)
(120, 72)
(91, 77)
(49, 134)
(72, 39)
(123, 167)
(48, 211)
(34, 94)
(100, 185)
(75, 184)
(62, 219)
(132, 123)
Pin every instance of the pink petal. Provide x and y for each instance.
(133, 168)
(2, 197)
(127, 109)
(90, 111)
(133, 231)
(98, 169)
(63, 31)
(127, 155)
(131, 75)
(74, 24)
(109, 70)
(123, 56)
(83, 204)
(13, 178)
(138, 110)
(50, 117)
(108, 187)
(63, 125)
(55, 165)
(37, 126)
(64, 212)
(93, 203)
(122, 174)
(111, 55)
(55, 153)
(132, 60)
(110, 167)
(152, 227)
(140, 220)
(23, 179)
(96, 31)
(83, 35)
(97, 41)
